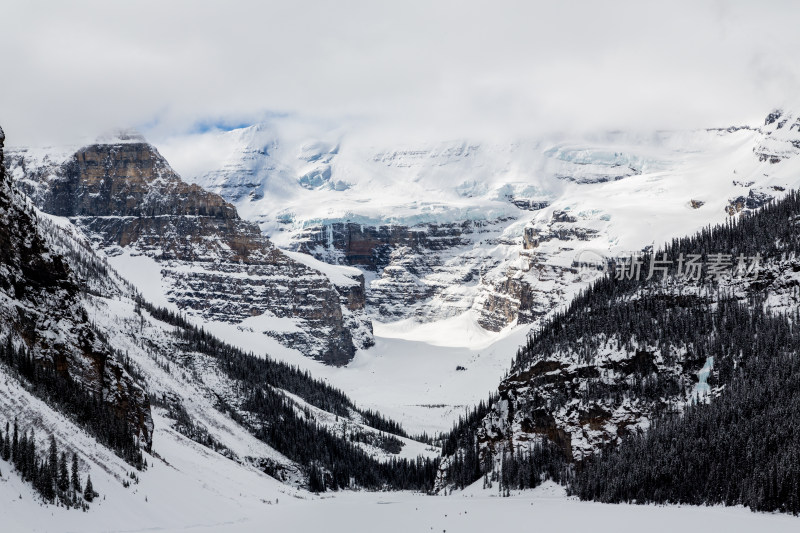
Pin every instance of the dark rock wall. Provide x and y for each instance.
(43, 310)
(126, 196)
(371, 246)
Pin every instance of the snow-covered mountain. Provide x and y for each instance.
(453, 284)
(629, 355)
(123, 195)
(688, 378)
(46, 320)
(149, 403)
(463, 246)
(493, 229)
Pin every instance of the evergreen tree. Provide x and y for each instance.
(21, 457)
(63, 474)
(75, 480)
(6, 451)
(88, 493)
(47, 472)
(316, 480)
(15, 443)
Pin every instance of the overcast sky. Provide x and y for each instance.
(428, 69)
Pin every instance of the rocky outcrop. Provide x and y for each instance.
(41, 310)
(528, 204)
(780, 137)
(126, 180)
(126, 198)
(755, 199)
(403, 258)
(544, 400)
(530, 238)
(511, 300)
(372, 246)
(435, 271)
(531, 287)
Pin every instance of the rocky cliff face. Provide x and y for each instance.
(434, 271)
(542, 274)
(42, 310)
(372, 246)
(544, 400)
(400, 259)
(127, 199)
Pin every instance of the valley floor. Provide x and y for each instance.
(545, 509)
(188, 488)
(422, 375)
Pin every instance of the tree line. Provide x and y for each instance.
(47, 472)
(85, 408)
(330, 462)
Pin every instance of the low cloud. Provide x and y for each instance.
(406, 69)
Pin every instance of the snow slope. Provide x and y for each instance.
(183, 476)
(185, 486)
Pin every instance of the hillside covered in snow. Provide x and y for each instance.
(315, 315)
(146, 404)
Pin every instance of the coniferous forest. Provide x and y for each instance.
(742, 445)
(87, 409)
(331, 462)
(741, 449)
(55, 477)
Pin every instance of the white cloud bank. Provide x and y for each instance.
(429, 69)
